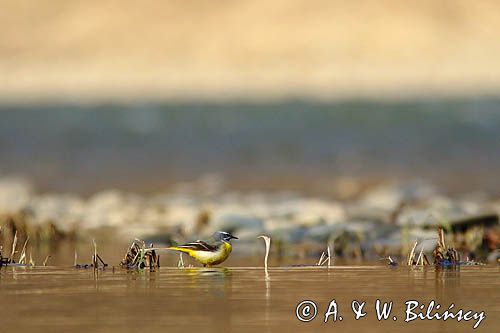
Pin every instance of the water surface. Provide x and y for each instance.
(295, 145)
(238, 299)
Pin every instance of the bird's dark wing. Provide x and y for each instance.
(199, 245)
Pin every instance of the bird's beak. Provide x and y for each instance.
(234, 237)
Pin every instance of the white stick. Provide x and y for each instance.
(22, 258)
(421, 257)
(14, 244)
(181, 262)
(267, 240)
(320, 262)
(411, 256)
(329, 256)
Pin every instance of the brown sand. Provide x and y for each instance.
(123, 50)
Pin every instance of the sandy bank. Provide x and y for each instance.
(114, 50)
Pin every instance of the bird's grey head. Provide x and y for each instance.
(222, 236)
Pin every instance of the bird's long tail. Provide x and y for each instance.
(180, 249)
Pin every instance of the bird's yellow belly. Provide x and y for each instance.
(212, 258)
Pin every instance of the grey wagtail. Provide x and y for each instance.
(209, 254)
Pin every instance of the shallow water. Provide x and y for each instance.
(290, 145)
(239, 299)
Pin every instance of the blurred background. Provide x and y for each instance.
(125, 51)
(140, 94)
(330, 99)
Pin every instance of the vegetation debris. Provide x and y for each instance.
(140, 257)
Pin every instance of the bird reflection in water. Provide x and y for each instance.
(216, 281)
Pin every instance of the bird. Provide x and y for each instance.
(208, 254)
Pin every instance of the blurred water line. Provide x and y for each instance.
(297, 145)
